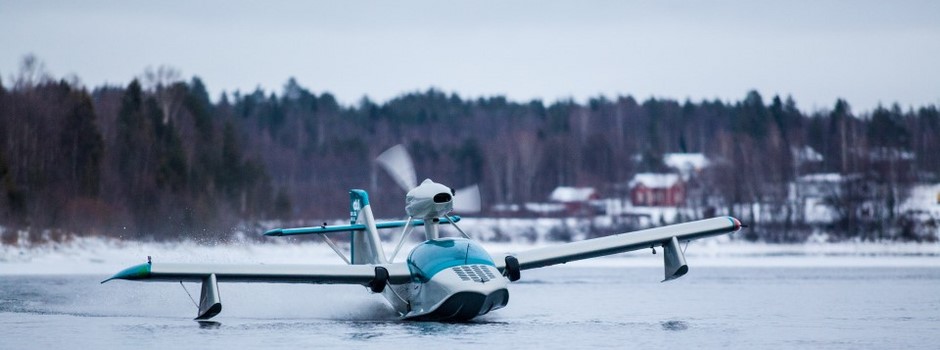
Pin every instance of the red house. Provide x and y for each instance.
(657, 190)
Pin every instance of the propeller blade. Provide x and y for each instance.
(399, 166)
(467, 199)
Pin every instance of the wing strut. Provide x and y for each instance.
(330, 243)
(401, 240)
(465, 235)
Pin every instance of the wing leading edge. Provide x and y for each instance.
(624, 242)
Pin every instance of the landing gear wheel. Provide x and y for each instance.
(512, 268)
(377, 285)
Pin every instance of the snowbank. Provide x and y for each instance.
(105, 256)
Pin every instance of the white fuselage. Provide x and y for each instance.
(456, 293)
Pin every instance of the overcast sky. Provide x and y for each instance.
(864, 51)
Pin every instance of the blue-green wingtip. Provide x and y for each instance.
(275, 232)
(136, 272)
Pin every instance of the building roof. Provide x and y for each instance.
(821, 177)
(654, 180)
(924, 198)
(571, 194)
(544, 208)
(807, 154)
(885, 154)
(685, 162)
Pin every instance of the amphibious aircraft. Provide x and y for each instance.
(443, 278)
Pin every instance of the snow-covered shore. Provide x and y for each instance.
(106, 256)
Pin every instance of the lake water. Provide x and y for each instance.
(557, 308)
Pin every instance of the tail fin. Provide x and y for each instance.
(366, 246)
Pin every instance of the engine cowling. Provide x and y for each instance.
(429, 199)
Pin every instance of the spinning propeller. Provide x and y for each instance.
(429, 200)
(400, 167)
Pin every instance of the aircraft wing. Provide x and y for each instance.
(667, 237)
(376, 277)
(280, 273)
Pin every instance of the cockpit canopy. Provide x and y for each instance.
(431, 257)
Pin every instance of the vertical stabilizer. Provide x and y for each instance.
(366, 246)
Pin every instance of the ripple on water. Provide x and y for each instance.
(674, 325)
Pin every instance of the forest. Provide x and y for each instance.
(158, 158)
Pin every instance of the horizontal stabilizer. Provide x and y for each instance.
(345, 228)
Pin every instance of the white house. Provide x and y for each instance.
(686, 163)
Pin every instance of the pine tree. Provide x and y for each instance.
(83, 146)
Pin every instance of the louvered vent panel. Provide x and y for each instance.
(476, 273)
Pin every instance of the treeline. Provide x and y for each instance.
(159, 159)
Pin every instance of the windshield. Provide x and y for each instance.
(429, 258)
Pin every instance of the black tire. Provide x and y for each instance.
(512, 269)
(377, 285)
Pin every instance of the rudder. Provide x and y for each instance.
(366, 246)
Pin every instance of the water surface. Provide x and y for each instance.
(556, 308)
